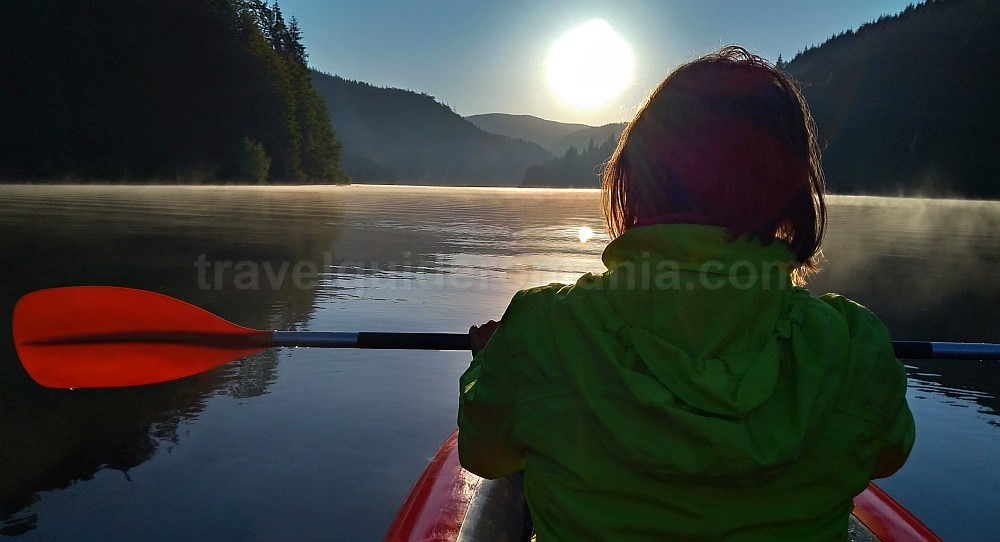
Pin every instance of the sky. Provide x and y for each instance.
(493, 56)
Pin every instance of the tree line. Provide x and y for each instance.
(179, 91)
(575, 169)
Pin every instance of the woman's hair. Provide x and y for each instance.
(725, 140)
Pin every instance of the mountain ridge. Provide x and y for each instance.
(557, 137)
(392, 135)
(526, 127)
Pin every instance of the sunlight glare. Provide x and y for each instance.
(586, 234)
(589, 65)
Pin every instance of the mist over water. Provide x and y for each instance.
(928, 267)
(300, 443)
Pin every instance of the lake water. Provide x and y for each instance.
(313, 444)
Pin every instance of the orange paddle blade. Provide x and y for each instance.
(101, 337)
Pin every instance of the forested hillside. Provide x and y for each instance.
(582, 164)
(394, 135)
(580, 150)
(575, 169)
(583, 138)
(908, 104)
(178, 91)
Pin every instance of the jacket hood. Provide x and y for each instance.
(732, 385)
(707, 337)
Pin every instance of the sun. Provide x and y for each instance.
(589, 65)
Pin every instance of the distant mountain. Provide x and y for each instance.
(580, 150)
(546, 133)
(557, 137)
(398, 136)
(907, 104)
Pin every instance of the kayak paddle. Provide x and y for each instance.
(105, 337)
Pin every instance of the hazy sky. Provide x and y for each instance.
(490, 56)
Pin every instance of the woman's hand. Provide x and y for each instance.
(480, 335)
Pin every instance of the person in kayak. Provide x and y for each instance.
(695, 390)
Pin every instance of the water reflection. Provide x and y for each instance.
(928, 268)
(965, 382)
(146, 238)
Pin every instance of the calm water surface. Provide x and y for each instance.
(312, 444)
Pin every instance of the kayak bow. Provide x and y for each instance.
(450, 504)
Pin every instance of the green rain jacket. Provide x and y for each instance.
(688, 393)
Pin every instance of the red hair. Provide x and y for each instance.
(725, 140)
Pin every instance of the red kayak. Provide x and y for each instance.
(449, 503)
